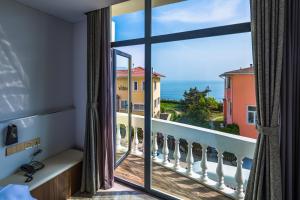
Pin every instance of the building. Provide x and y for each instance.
(138, 91)
(239, 100)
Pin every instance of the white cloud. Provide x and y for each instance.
(202, 12)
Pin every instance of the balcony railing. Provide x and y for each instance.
(229, 180)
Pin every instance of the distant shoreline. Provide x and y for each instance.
(174, 89)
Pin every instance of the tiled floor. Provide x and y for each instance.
(118, 192)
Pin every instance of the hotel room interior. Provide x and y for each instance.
(66, 134)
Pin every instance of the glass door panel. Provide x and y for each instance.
(130, 139)
(122, 80)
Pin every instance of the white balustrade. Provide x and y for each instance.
(118, 138)
(135, 141)
(177, 154)
(219, 170)
(190, 159)
(240, 146)
(239, 178)
(154, 146)
(165, 150)
(204, 163)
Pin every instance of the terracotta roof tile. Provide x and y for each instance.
(248, 70)
(136, 72)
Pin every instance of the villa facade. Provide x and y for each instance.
(138, 91)
(239, 104)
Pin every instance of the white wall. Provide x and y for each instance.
(36, 76)
(80, 79)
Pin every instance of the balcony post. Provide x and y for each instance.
(190, 159)
(165, 150)
(239, 178)
(118, 138)
(135, 141)
(177, 154)
(204, 163)
(154, 146)
(219, 170)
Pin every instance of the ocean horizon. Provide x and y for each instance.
(174, 89)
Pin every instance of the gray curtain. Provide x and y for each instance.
(290, 104)
(98, 148)
(267, 37)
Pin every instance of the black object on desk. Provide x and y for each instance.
(11, 135)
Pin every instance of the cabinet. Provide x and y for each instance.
(60, 187)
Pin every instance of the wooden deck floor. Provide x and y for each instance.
(165, 180)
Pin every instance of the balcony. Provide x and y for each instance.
(209, 169)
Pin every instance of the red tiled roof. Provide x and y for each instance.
(248, 70)
(136, 72)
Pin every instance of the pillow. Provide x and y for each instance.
(15, 192)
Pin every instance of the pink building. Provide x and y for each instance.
(240, 101)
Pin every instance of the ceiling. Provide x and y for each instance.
(73, 10)
(69, 10)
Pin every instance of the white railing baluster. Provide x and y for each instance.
(154, 146)
(118, 138)
(135, 146)
(239, 178)
(165, 150)
(190, 159)
(219, 170)
(126, 135)
(177, 154)
(143, 141)
(204, 163)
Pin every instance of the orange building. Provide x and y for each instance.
(239, 100)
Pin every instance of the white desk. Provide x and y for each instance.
(54, 166)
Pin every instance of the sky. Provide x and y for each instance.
(197, 59)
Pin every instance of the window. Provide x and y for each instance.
(138, 107)
(143, 86)
(127, 20)
(198, 14)
(251, 115)
(191, 43)
(135, 86)
(124, 104)
(228, 82)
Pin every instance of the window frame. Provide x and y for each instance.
(137, 86)
(147, 41)
(126, 103)
(254, 114)
(139, 104)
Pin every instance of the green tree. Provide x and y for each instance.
(196, 105)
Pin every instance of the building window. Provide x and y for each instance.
(143, 87)
(124, 104)
(228, 82)
(251, 115)
(135, 86)
(138, 107)
(155, 85)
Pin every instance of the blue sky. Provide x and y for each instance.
(198, 59)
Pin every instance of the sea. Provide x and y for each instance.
(174, 89)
